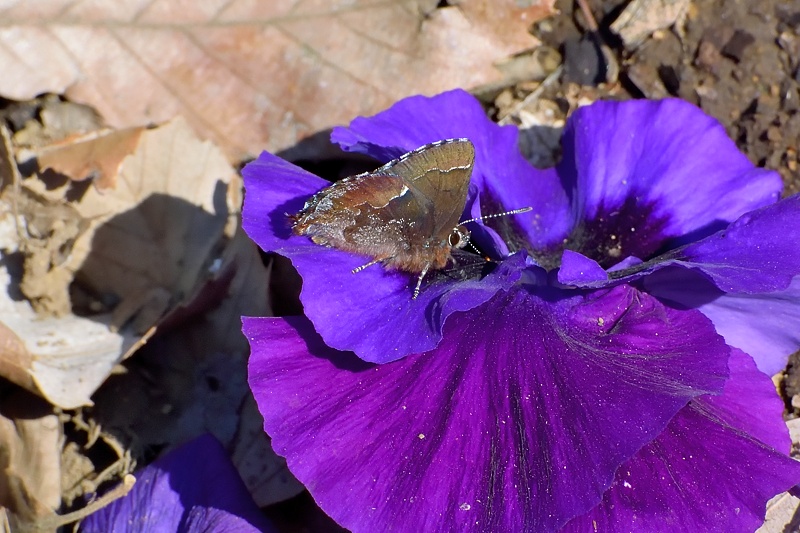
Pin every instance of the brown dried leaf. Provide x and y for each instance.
(49, 119)
(96, 155)
(62, 359)
(15, 359)
(264, 473)
(153, 237)
(48, 231)
(150, 244)
(254, 75)
(30, 453)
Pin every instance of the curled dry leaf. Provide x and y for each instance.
(264, 473)
(63, 359)
(70, 139)
(155, 236)
(148, 245)
(96, 155)
(255, 75)
(49, 119)
(50, 230)
(30, 455)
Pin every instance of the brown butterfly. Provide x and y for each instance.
(404, 215)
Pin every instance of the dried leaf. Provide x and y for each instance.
(254, 75)
(62, 359)
(264, 473)
(49, 119)
(96, 155)
(150, 245)
(48, 232)
(781, 514)
(783, 509)
(154, 236)
(30, 458)
(794, 433)
(643, 17)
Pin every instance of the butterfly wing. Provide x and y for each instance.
(437, 176)
(395, 212)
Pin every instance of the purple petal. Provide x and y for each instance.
(504, 178)
(648, 174)
(750, 404)
(578, 269)
(517, 421)
(713, 469)
(763, 325)
(194, 488)
(372, 312)
(753, 255)
(629, 262)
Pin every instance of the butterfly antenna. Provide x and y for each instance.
(474, 248)
(495, 215)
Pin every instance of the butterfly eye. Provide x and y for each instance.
(459, 237)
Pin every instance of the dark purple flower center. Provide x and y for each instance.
(617, 233)
(631, 230)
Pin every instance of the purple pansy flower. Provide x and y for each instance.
(194, 488)
(586, 379)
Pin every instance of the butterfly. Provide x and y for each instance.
(404, 215)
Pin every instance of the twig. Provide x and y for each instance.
(587, 14)
(532, 97)
(52, 522)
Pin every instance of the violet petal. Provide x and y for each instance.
(577, 268)
(763, 325)
(648, 174)
(753, 255)
(749, 403)
(395, 324)
(194, 488)
(713, 469)
(517, 421)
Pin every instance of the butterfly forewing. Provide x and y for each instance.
(437, 176)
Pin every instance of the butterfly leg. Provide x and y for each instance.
(419, 281)
(362, 267)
